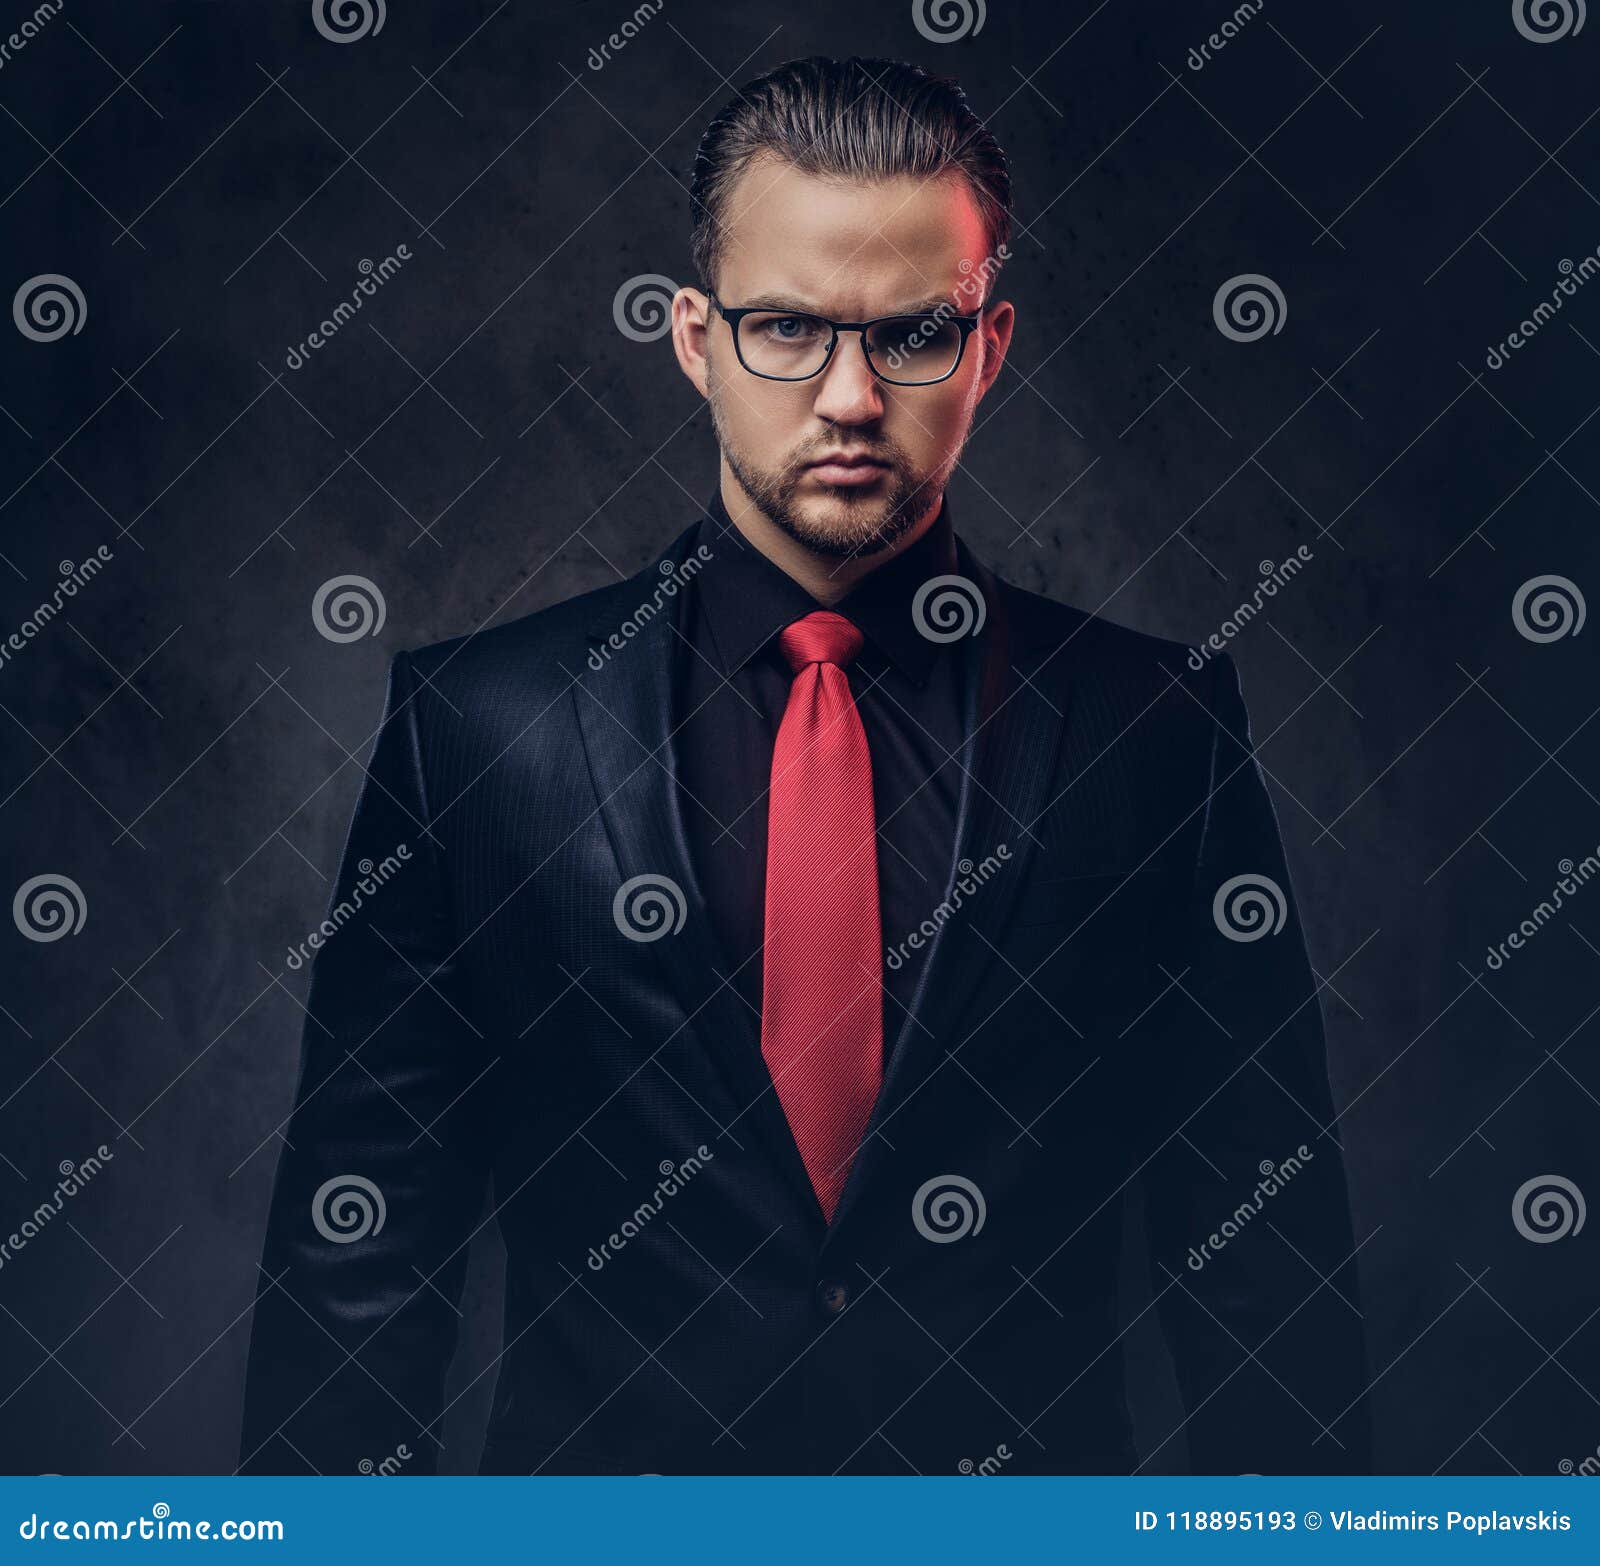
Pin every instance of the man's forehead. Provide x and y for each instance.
(821, 237)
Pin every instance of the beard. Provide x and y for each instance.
(854, 523)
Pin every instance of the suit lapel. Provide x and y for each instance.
(1008, 764)
(626, 714)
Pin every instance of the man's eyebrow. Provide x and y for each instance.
(804, 307)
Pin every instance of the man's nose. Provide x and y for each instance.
(847, 391)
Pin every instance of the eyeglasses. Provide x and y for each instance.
(904, 350)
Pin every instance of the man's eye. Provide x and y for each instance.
(788, 328)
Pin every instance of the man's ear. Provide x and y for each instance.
(691, 317)
(995, 327)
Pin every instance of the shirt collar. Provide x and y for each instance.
(747, 599)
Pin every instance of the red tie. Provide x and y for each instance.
(822, 975)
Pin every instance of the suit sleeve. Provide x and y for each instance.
(381, 1174)
(1246, 1201)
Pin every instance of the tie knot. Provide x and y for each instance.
(821, 637)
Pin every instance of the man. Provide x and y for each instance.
(810, 941)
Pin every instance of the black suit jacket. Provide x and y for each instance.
(486, 1019)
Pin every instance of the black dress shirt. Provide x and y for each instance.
(732, 685)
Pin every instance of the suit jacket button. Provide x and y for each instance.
(832, 1297)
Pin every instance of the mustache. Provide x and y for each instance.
(889, 456)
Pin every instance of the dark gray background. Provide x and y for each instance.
(483, 441)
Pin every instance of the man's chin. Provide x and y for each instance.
(841, 522)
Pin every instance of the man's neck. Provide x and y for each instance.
(827, 578)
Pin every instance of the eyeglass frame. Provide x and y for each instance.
(733, 316)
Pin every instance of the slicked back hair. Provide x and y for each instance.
(856, 119)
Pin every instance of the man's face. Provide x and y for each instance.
(850, 252)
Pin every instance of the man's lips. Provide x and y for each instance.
(848, 468)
